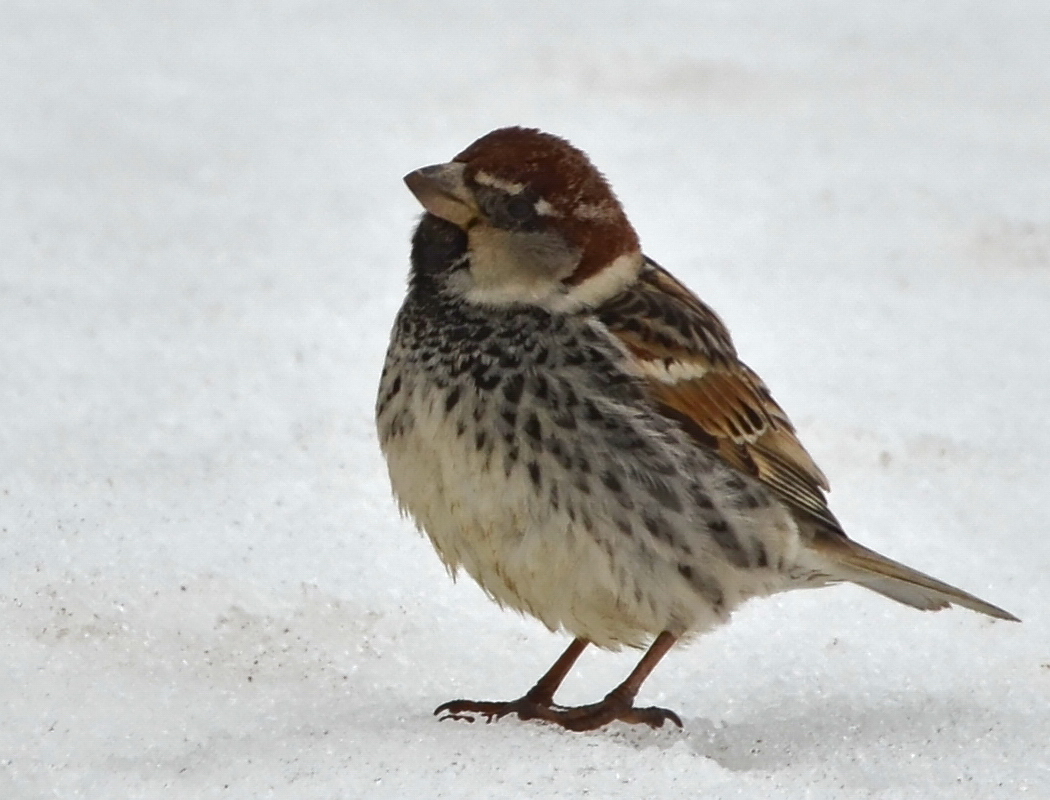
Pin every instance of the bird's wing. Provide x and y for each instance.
(694, 376)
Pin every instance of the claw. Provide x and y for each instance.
(578, 718)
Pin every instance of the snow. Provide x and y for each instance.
(206, 590)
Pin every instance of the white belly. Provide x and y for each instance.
(525, 554)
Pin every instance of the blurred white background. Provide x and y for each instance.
(205, 587)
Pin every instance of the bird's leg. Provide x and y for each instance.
(617, 705)
(539, 698)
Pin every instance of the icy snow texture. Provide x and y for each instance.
(205, 588)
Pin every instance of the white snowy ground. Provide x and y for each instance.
(205, 590)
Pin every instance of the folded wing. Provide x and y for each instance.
(694, 376)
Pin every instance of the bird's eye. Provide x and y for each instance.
(511, 211)
(520, 208)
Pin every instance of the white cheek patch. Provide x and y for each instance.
(535, 293)
(516, 267)
(607, 282)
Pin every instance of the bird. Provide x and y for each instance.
(571, 426)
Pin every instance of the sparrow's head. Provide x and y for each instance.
(542, 224)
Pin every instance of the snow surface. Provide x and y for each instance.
(206, 590)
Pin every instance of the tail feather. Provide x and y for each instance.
(855, 563)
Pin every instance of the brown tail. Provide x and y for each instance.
(855, 563)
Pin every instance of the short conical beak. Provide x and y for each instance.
(443, 192)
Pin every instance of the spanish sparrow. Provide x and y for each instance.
(572, 426)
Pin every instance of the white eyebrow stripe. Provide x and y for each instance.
(487, 179)
(545, 209)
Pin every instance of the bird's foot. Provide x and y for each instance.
(469, 710)
(575, 718)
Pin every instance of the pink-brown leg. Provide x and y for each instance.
(537, 700)
(617, 705)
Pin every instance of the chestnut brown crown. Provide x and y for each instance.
(528, 181)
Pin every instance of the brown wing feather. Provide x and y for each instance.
(694, 376)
